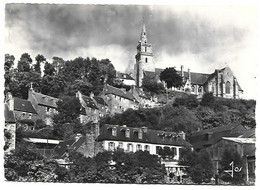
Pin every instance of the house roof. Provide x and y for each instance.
(45, 100)
(72, 144)
(89, 102)
(241, 140)
(100, 100)
(151, 136)
(199, 139)
(9, 115)
(24, 106)
(124, 76)
(119, 92)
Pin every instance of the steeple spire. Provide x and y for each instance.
(143, 38)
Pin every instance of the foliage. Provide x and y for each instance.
(24, 63)
(26, 165)
(200, 167)
(208, 99)
(7, 136)
(9, 62)
(37, 66)
(66, 121)
(171, 77)
(231, 155)
(189, 101)
(150, 84)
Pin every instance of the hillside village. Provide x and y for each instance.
(85, 107)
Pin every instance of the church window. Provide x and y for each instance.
(228, 85)
(212, 88)
(146, 60)
(145, 49)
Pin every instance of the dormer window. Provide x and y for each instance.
(113, 131)
(127, 133)
(140, 135)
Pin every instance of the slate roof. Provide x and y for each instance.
(45, 100)
(119, 92)
(196, 78)
(151, 136)
(124, 76)
(9, 115)
(199, 139)
(24, 106)
(89, 102)
(74, 144)
(100, 100)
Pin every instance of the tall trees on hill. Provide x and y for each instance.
(59, 77)
(171, 77)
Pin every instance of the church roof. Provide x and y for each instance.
(119, 92)
(100, 100)
(45, 100)
(151, 136)
(23, 106)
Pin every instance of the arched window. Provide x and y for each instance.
(228, 85)
(146, 60)
(145, 49)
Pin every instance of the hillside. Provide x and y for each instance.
(186, 113)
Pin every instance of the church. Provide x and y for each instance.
(221, 82)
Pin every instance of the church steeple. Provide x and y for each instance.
(143, 38)
(144, 57)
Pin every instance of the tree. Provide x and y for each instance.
(190, 101)
(9, 62)
(49, 69)
(208, 99)
(231, 155)
(24, 63)
(150, 84)
(200, 167)
(171, 77)
(66, 121)
(39, 59)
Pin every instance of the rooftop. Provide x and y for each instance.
(45, 100)
(9, 115)
(89, 102)
(119, 92)
(23, 106)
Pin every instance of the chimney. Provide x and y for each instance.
(182, 72)
(144, 129)
(91, 95)
(182, 135)
(78, 95)
(10, 101)
(209, 135)
(189, 77)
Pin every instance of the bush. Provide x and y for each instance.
(208, 99)
(189, 101)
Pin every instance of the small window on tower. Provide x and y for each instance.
(145, 49)
(145, 60)
(144, 33)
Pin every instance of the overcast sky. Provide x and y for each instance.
(200, 38)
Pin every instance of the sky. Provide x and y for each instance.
(202, 38)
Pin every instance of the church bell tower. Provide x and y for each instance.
(144, 58)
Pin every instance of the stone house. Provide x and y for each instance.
(92, 108)
(125, 79)
(45, 106)
(24, 112)
(10, 127)
(119, 100)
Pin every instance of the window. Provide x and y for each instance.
(23, 114)
(228, 85)
(145, 49)
(140, 135)
(113, 131)
(144, 33)
(212, 88)
(120, 145)
(138, 147)
(30, 116)
(129, 147)
(111, 146)
(200, 89)
(193, 89)
(47, 109)
(146, 60)
(147, 147)
(127, 133)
